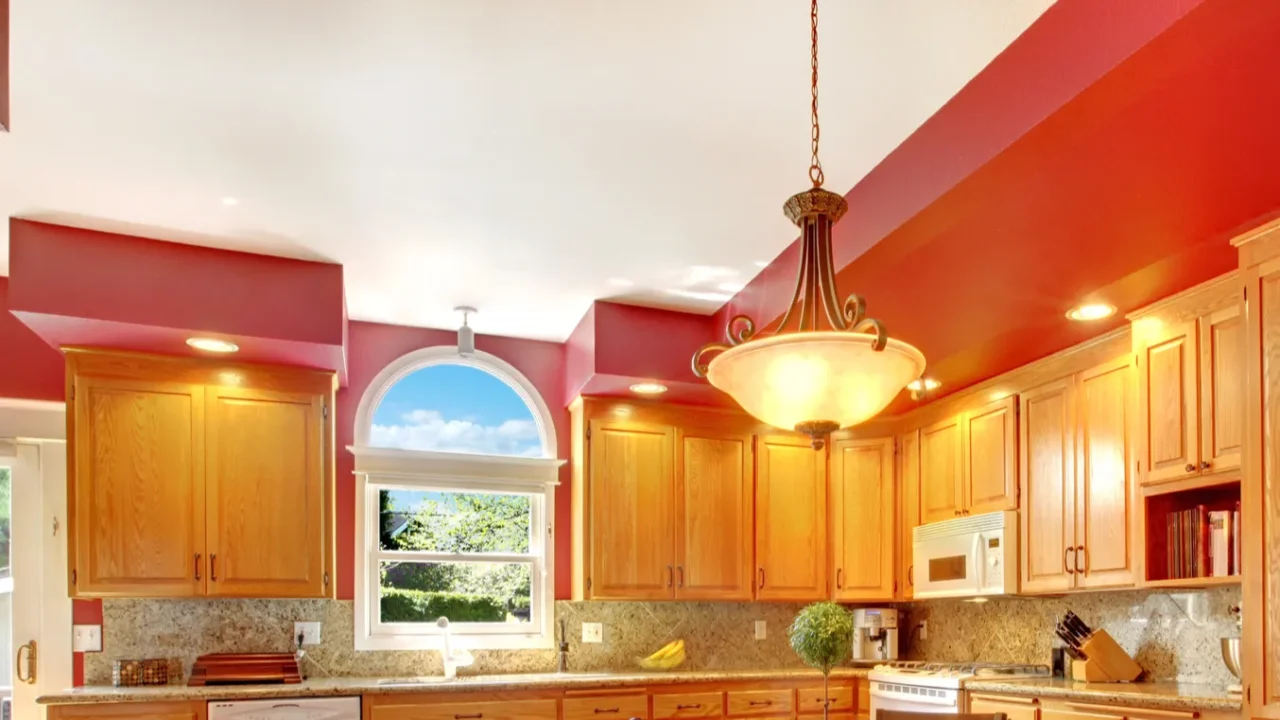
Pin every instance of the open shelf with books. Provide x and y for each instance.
(1192, 536)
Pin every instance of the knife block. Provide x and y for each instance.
(1105, 661)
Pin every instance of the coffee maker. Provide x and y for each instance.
(875, 634)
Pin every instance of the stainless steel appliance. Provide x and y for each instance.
(935, 687)
(967, 557)
(328, 708)
(875, 634)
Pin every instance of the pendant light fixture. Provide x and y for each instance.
(814, 372)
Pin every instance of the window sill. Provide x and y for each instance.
(459, 640)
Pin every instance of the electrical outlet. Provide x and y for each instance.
(924, 629)
(310, 632)
(86, 638)
(762, 630)
(592, 632)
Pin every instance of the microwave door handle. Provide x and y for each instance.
(979, 567)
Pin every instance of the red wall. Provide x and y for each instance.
(29, 369)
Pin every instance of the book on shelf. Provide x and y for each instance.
(1201, 544)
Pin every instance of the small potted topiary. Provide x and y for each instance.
(822, 635)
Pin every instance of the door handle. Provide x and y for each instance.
(30, 677)
(197, 566)
(671, 576)
(839, 578)
(911, 575)
(213, 567)
(680, 573)
(1081, 550)
(761, 584)
(1066, 566)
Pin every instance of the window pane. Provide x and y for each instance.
(4, 522)
(455, 408)
(462, 591)
(449, 522)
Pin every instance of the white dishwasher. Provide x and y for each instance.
(335, 708)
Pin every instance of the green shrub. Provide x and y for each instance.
(419, 606)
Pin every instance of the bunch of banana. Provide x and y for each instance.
(670, 656)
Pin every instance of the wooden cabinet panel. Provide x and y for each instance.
(1260, 498)
(1222, 371)
(687, 705)
(809, 701)
(265, 482)
(137, 488)
(409, 707)
(864, 698)
(714, 507)
(1048, 427)
(744, 703)
(1169, 401)
(908, 458)
(1104, 549)
(791, 519)
(184, 710)
(1014, 708)
(607, 707)
(990, 479)
(862, 527)
(631, 487)
(941, 452)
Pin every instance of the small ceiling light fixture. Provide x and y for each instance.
(466, 336)
(811, 376)
(212, 345)
(1091, 311)
(921, 387)
(648, 388)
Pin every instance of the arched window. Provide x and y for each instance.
(455, 475)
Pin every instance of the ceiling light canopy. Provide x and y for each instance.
(1091, 311)
(805, 374)
(212, 345)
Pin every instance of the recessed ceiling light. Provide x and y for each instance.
(923, 384)
(620, 282)
(212, 345)
(230, 201)
(648, 388)
(1091, 311)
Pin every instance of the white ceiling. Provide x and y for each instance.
(522, 156)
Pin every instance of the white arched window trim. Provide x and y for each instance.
(376, 468)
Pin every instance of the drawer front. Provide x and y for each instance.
(809, 700)
(426, 710)
(700, 705)
(760, 702)
(1014, 709)
(606, 707)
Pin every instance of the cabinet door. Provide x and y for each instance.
(791, 519)
(183, 710)
(138, 495)
(940, 471)
(908, 510)
(631, 491)
(862, 527)
(1260, 499)
(1221, 390)
(990, 480)
(266, 484)
(1104, 512)
(714, 503)
(1169, 404)
(1047, 426)
(1013, 708)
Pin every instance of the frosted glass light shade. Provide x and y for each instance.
(802, 377)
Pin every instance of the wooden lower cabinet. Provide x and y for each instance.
(1014, 708)
(685, 706)
(186, 710)
(606, 707)
(809, 700)
(1034, 708)
(509, 706)
(754, 703)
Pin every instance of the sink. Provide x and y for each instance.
(422, 680)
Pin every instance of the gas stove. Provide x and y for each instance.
(936, 687)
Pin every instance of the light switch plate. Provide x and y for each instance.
(762, 630)
(592, 632)
(310, 632)
(924, 629)
(86, 638)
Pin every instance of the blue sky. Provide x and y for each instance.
(455, 408)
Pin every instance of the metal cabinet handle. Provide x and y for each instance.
(197, 566)
(601, 711)
(759, 703)
(1066, 565)
(213, 567)
(680, 572)
(30, 677)
(839, 578)
(1205, 464)
(671, 576)
(761, 578)
(475, 716)
(911, 575)
(695, 706)
(1191, 468)
(1080, 550)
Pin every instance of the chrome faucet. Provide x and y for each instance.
(564, 647)
(452, 660)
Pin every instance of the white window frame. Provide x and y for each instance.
(379, 468)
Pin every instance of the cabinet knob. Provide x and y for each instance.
(1191, 468)
(1205, 464)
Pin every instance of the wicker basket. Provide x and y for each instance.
(131, 673)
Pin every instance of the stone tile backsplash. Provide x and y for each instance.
(1170, 642)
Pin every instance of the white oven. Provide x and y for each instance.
(967, 557)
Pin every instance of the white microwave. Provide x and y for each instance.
(971, 556)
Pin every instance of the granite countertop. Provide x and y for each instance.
(1155, 695)
(319, 687)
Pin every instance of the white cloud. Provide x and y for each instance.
(429, 430)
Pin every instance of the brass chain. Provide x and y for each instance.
(815, 167)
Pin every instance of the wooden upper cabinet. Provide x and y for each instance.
(941, 460)
(862, 525)
(714, 508)
(632, 498)
(1222, 389)
(990, 479)
(791, 519)
(908, 459)
(1168, 387)
(265, 481)
(137, 498)
(1047, 430)
(1104, 515)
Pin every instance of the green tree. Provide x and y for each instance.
(5, 514)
